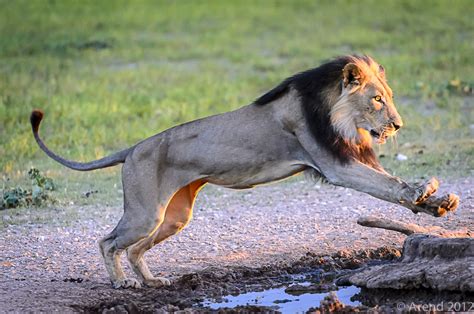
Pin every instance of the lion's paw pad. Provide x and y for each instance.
(448, 203)
(127, 283)
(440, 206)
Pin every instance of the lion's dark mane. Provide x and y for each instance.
(310, 86)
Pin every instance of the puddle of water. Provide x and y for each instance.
(284, 302)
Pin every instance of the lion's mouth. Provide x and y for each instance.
(380, 137)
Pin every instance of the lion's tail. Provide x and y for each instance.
(112, 160)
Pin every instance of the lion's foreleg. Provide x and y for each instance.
(379, 184)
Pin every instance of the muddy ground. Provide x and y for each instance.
(237, 241)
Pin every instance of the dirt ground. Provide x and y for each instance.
(234, 235)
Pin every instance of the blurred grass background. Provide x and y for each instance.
(110, 73)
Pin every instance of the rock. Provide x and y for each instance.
(313, 288)
(331, 304)
(428, 261)
(119, 309)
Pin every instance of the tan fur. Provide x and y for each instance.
(342, 117)
(348, 114)
(242, 149)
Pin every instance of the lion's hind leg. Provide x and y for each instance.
(135, 257)
(144, 211)
(177, 216)
(128, 232)
(111, 255)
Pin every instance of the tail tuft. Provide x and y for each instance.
(35, 119)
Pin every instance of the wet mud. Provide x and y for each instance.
(306, 286)
(312, 275)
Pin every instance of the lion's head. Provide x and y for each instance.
(364, 106)
(346, 102)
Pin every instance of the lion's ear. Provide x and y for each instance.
(352, 74)
(382, 70)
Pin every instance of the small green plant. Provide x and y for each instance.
(36, 195)
(38, 180)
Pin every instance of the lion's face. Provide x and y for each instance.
(376, 112)
(365, 107)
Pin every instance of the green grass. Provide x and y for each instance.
(166, 62)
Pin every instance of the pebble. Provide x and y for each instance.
(401, 157)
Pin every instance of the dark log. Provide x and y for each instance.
(410, 228)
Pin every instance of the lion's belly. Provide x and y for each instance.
(254, 176)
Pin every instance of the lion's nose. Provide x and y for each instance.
(397, 122)
(396, 126)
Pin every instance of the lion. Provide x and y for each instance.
(323, 120)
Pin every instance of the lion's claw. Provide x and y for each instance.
(453, 202)
(126, 283)
(426, 190)
(438, 206)
(157, 282)
(430, 204)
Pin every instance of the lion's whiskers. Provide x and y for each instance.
(393, 141)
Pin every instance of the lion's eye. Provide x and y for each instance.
(378, 98)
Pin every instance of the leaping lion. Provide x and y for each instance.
(322, 120)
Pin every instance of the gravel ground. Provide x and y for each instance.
(51, 267)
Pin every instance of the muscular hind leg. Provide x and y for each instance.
(177, 216)
(111, 255)
(137, 262)
(145, 201)
(112, 246)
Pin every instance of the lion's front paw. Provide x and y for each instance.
(426, 190)
(439, 206)
(126, 283)
(157, 282)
